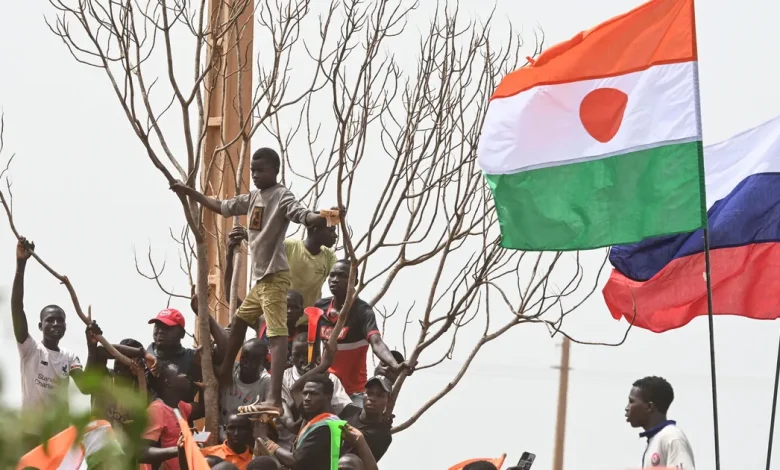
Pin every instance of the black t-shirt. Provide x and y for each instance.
(377, 435)
(349, 365)
(314, 452)
(184, 359)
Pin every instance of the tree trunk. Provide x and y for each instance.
(210, 392)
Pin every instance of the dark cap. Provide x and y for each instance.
(399, 358)
(382, 381)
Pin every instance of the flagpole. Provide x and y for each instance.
(774, 411)
(713, 374)
(707, 265)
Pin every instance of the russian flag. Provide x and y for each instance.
(662, 278)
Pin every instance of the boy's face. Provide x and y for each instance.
(294, 310)
(300, 355)
(263, 174)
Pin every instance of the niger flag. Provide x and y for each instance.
(598, 141)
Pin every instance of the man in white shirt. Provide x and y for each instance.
(251, 383)
(667, 446)
(45, 366)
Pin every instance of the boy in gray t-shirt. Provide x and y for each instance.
(269, 210)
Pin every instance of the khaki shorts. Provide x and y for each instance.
(268, 297)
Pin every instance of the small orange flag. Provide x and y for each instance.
(497, 462)
(195, 459)
(57, 449)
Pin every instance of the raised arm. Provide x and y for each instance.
(298, 213)
(363, 451)
(217, 332)
(234, 242)
(24, 250)
(210, 203)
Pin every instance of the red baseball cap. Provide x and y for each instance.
(170, 317)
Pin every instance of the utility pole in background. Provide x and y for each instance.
(230, 79)
(563, 391)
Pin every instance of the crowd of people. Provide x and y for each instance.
(288, 276)
(335, 420)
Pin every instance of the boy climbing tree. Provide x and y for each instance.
(269, 210)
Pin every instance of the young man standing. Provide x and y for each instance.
(269, 210)
(45, 366)
(667, 446)
(310, 262)
(159, 446)
(167, 333)
(370, 421)
(359, 332)
(250, 382)
(313, 449)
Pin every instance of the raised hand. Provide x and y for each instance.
(24, 249)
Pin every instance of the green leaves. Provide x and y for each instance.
(23, 431)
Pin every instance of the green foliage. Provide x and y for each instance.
(20, 432)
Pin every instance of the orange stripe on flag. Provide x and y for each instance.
(499, 462)
(657, 32)
(195, 459)
(56, 450)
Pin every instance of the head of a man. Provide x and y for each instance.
(338, 279)
(213, 460)
(239, 433)
(121, 371)
(350, 462)
(172, 385)
(52, 324)
(323, 236)
(168, 329)
(300, 352)
(648, 402)
(384, 369)
(252, 360)
(317, 393)
(376, 396)
(480, 465)
(294, 309)
(262, 463)
(265, 167)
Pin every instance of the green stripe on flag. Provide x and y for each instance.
(610, 201)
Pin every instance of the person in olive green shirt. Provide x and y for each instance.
(310, 260)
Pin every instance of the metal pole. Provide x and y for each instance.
(708, 273)
(774, 411)
(563, 391)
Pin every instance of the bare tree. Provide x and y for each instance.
(406, 145)
(397, 147)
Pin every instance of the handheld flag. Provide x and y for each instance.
(195, 459)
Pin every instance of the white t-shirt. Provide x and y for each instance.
(241, 394)
(43, 371)
(338, 402)
(668, 448)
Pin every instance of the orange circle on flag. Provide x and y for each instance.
(601, 112)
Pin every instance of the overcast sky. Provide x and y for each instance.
(87, 195)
